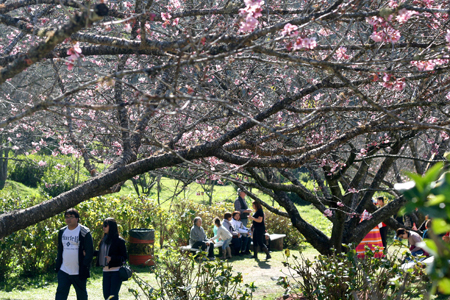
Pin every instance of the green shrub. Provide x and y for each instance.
(344, 276)
(26, 171)
(33, 250)
(179, 277)
(61, 175)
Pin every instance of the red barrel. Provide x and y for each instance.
(141, 247)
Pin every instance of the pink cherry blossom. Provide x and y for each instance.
(328, 213)
(166, 16)
(288, 29)
(340, 53)
(248, 25)
(310, 43)
(404, 15)
(340, 204)
(376, 37)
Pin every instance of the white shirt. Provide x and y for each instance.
(223, 234)
(71, 243)
(239, 226)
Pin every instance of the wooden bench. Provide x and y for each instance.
(189, 248)
(276, 241)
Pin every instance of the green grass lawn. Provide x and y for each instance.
(263, 273)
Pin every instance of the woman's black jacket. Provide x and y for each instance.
(117, 252)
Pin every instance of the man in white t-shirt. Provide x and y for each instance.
(75, 253)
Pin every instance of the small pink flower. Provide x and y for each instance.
(340, 53)
(340, 204)
(166, 16)
(404, 15)
(328, 213)
(310, 43)
(353, 191)
(42, 163)
(288, 29)
(376, 37)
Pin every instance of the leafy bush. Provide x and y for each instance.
(61, 175)
(33, 250)
(430, 194)
(344, 276)
(179, 277)
(26, 171)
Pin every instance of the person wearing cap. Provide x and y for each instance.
(241, 206)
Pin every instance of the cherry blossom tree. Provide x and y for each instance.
(356, 91)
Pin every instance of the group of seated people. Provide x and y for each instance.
(414, 239)
(231, 231)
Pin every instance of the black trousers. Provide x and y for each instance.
(236, 244)
(258, 240)
(383, 233)
(65, 281)
(203, 246)
(111, 284)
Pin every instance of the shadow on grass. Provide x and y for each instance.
(263, 264)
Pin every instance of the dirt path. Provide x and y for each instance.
(264, 273)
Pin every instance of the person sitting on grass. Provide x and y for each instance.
(413, 239)
(224, 235)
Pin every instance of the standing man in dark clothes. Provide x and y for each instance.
(241, 206)
(75, 253)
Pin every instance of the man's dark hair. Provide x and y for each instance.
(227, 215)
(401, 231)
(217, 221)
(381, 198)
(73, 212)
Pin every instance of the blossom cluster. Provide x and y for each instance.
(74, 53)
(392, 83)
(428, 65)
(250, 14)
(382, 29)
(298, 42)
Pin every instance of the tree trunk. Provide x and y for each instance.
(3, 167)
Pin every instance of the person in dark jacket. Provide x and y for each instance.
(75, 253)
(111, 255)
(259, 231)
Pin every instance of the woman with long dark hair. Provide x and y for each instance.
(111, 255)
(259, 230)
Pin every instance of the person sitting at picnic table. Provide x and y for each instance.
(236, 241)
(198, 239)
(223, 235)
(413, 239)
(245, 233)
